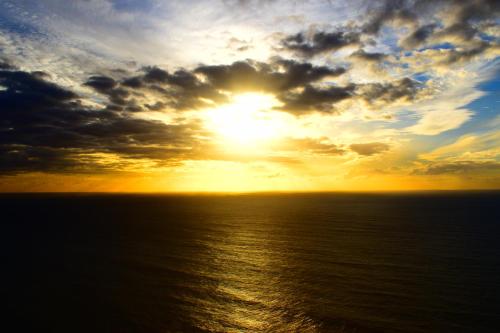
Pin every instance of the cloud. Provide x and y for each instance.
(470, 154)
(460, 167)
(278, 76)
(47, 128)
(206, 85)
(24, 91)
(101, 83)
(362, 55)
(438, 121)
(315, 99)
(418, 37)
(389, 11)
(238, 44)
(370, 66)
(464, 55)
(44, 127)
(86, 81)
(368, 149)
(467, 147)
(320, 42)
(457, 18)
(318, 146)
(464, 16)
(109, 87)
(4, 64)
(460, 24)
(404, 89)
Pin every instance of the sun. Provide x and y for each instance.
(248, 119)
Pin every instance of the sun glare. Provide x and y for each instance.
(247, 120)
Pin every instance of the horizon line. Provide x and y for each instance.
(201, 193)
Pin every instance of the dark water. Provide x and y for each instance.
(251, 263)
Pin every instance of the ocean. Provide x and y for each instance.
(330, 262)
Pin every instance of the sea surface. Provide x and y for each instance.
(418, 262)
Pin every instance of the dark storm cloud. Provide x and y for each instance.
(368, 56)
(468, 13)
(368, 149)
(462, 31)
(462, 55)
(101, 83)
(463, 19)
(279, 76)
(132, 82)
(181, 78)
(418, 36)
(239, 76)
(21, 158)
(462, 14)
(477, 9)
(459, 23)
(109, 87)
(192, 89)
(315, 99)
(180, 90)
(433, 21)
(298, 85)
(298, 74)
(311, 97)
(44, 127)
(406, 89)
(47, 128)
(320, 42)
(389, 11)
(4, 64)
(460, 167)
(26, 90)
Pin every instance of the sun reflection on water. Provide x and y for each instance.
(249, 293)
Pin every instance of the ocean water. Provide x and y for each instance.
(426, 262)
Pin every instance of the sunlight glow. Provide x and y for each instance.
(247, 120)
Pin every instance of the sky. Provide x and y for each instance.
(243, 96)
